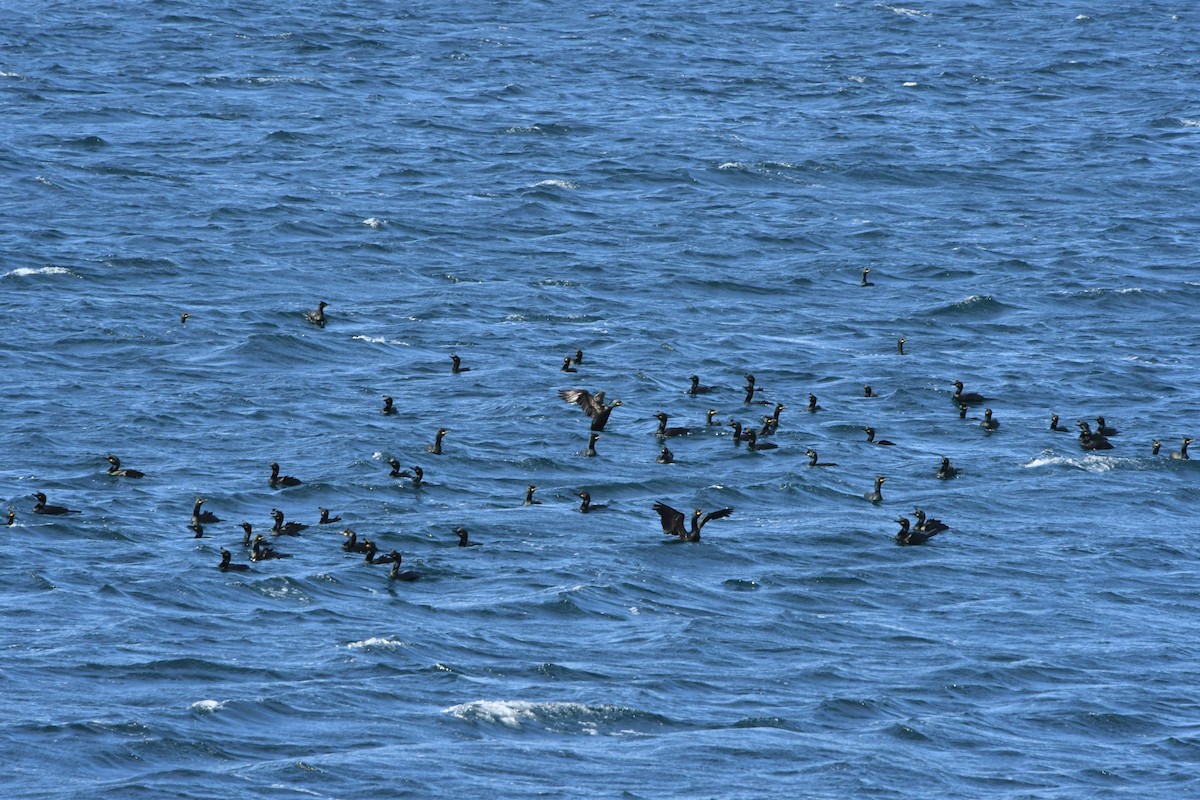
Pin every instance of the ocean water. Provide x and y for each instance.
(674, 191)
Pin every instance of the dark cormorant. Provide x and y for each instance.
(906, 536)
(962, 410)
(12, 518)
(989, 423)
(871, 438)
(592, 404)
(578, 359)
(202, 517)
(395, 465)
(663, 431)
(772, 422)
(900, 345)
(436, 447)
(227, 565)
(1091, 441)
(371, 558)
(1181, 453)
(930, 525)
(812, 403)
(183, 318)
(566, 367)
(352, 544)
(276, 480)
(417, 476)
(262, 551)
(198, 530)
(812, 459)
(966, 398)
(708, 418)
(752, 442)
(249, 529)
(1154, 446)
(388, 408)
(53, 511)
(867, 391)
(396, 574)
(325, 518)
(672, 521)
(591, 447)
(280, 528)
(665, 457)
(1054, 426)
(317, 317)
(464, 538)
(866, 271)
(115, 469)
(876, 494)
(529, 501)
(585, 505)
(1104, 430)
(947, 470)
(697, 388)
(456, 365)
(737, 431)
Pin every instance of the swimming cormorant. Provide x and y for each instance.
(276, 480)
(388, 407)
(578, 359)
(947, 470)
(183, 318)
(1181, 453)
(417, 476)
(115, 469)
(1154, 446)
(585, 505)
(372, 558)
(529, 501)
(262, 551)
(906, 536)
(737, 431)
(962, 410)
(464, 538)
(249, 529)
(456, 365)
(202, 517)
(12, 518)
(317, 317)
(53, 511)
(352, 544)
(866, 271)
(1104, 430)
(989, 423)
(697, 388)
(708, 418)
(664, 432)
(876, 494)
(591, 447)
(665, 457)
(772, 422)
(752, 442)
(672, 521)
(900, 345)
(812, 459)
(929, 525)
(325, 518)
(566, 367)
(966, 398)
(812, 403)
(280, 528)
(867, 391)
(592, 404)
(1054, 426)
(396, 574)
(395, 465)
(1091, 441)
(871, 438)
(227, 565)
(436, 447)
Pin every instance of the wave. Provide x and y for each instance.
(25, 272)
(560, 717)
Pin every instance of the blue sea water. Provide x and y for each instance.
(675, 191)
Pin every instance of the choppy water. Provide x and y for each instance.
(674, 190)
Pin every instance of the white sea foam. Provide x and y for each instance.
(512, 713)
(557, 184)
(23, 272)
(207, 706)
(1088, 463)
(375, 641)
(374, 222)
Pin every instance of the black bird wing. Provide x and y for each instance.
(590, 403)
(672, 520)
(718, 514)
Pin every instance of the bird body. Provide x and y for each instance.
(281, 528)
(115, 469)
(871, 438)
(1182, 453)
(907, 536)
(813, 462)
(276, 480)
(673, 521)
(317, 317)
(51, 511)
(227, 564)
(876, 494)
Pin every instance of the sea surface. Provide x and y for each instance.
(673, 189)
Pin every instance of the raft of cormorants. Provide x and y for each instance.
(595, 406)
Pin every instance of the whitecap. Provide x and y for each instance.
(207, 706)
(911, 84)
(24, 272)
(375, 641)
(907, 12)
(557, 184)
(1190, 123)
(732, 165)
(1088, 463)
(511, 713)
(374, 222)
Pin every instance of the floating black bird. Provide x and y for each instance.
(812, 403)
(906, 536)
(867, 391)
(372, 558)
(249, 529)
(183, 318)
(866, 271)
(664, 432)
(900, 345)
(665, 457)
(352, 544)
(464, 538)
(989, 423)
(1054, 426)
(812, 459)
(578, 359)
(12, 518)
(586, 506)
(280, 528)
(395, 465)
(947, 470)
(262, 551)
(708, 418)
(929, 525)
(456, 365)
(1154, 446)
(1091, 441)
(697, 388)
(396, 574)
(566, 367)
(417, 476)
(591, 447)
(1104, 430)
(436, 447)
(966, 398)
(325, 518)
(737, 431)
(388, 407)
(227, 564)
(52, 511)
(202, 517)
(592, 404)
(871, 438)
(115, 469)
(672, 521)
(276, 480)
(317, 317)
(771, 423)
(876, 494)
(752, 442)
(529, 501)
(1179, 454)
